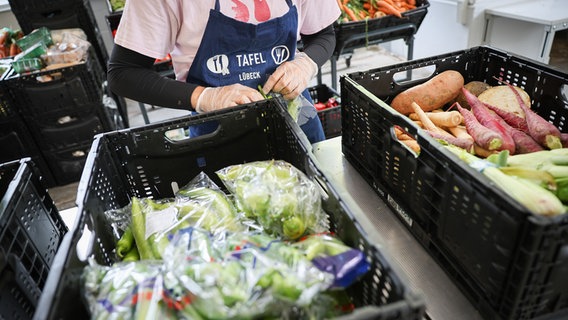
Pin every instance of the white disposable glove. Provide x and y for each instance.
(215, 98)
(291, 78)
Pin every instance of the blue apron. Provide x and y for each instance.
(233, 51)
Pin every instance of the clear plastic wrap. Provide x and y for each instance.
(242, 276)
(281, 198)
(150, 223)
(71, 49)
(330, 254)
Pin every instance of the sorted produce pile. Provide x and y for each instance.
(356, 10)
(205, 254)
(492, 128)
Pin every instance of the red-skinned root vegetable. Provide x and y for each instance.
(524, 143)
(463, 143)
(564, 139)
(511, 118)
(485, 117)
(483, 136)
(540, 130)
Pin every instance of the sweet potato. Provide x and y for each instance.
(430, 95)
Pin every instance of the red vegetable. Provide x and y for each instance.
(483, 136)
(463, 143)
(524, 143)
(484, 116)
(540, 130)
(510, 118)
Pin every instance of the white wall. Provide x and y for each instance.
(449, 26)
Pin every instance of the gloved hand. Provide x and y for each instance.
(291, 78)
(215, 98)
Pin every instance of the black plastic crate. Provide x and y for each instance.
(31, 231)
(8, 108)
(67, 164)
(46, 91)
(63, 130)
(330, 117)
(357, 34)
(61, 14)
(16, 142)
(142, 162)
(510, 262)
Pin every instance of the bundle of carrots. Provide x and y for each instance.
(356, 10)
(8, 37)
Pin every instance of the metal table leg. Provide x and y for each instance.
(144, 113)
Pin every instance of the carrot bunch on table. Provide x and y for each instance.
(355, 10)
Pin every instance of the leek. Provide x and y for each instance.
(534, 197)
(554, 161)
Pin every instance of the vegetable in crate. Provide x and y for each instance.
(281, 198)
(486, 118)
(356, 10)
(553, 162)
(248, 276)
(534, 197)
(433, 94)
(153, 223)
(330, 254)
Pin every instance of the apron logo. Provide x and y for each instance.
(218, 64)
(280, 54)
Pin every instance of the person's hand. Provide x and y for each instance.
(292, 77)
(215, 98)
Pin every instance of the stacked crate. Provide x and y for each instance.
(61, 14)
(16, 140)
(68, 14)
(63, 109)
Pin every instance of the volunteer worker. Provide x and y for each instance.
(221, 52)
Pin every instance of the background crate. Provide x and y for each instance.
(69, 87)
(331, 117)
(61, 14)
(142, 162)
(63, 130)
(67, 164)
(357, 34)
(509, 262)
(16, 142)
(31, 231)
(8, 108)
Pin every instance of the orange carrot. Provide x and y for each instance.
(350, 13)
(388, 8)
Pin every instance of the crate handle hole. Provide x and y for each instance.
(564, 93)
(420, 74)
(406, 139)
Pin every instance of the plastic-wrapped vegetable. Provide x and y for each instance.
(246, 281)
(130, 290)
(331, 255)
(281, 198)
(199, 204)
